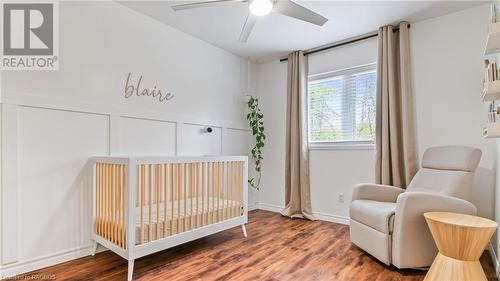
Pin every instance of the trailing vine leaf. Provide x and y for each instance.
(254, 118)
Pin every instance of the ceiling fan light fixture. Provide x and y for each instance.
(261, 7)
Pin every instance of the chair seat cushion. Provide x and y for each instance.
(375, 214)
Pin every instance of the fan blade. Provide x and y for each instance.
(247, 28)
(203, 4)
(294, 10)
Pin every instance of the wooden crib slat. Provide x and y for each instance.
(122, 205)
(165, 198)
(218, 191)
(110, 206)
(178, 197)
(231, 188)
(104, 199)
(143, 195)
(223, 192)
(212, 173)
(113, 205)
(196, 183)
(228, 190)
(150, 201)
(191, 179)
(172, 198)
(108, 197)
(184, 187)
(110, 190)
(117, 200)
(207, 193)
(97, 210)
(125, 180)
(111, 211)
(103, 202)
(118, 205)
(208, 180)
(157, 197)
(203, 194)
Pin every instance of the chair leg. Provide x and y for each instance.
(94, 248)
(244, 230)
(130, 269)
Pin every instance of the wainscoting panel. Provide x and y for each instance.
(46, 182)
(236, 142)
(54, 178)
(9, 182)
(146, 137)
(196, 142)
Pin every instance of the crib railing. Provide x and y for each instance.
(110, 202)
(152, 198)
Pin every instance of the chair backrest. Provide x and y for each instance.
(447, 170)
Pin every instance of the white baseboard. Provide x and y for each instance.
(253, 207)
(270, 208)
(331, 218)
(25, 266)
(494, 259)
(318, 215)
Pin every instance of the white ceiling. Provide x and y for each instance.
(276, 35)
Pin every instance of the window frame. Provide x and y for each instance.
(340, 145)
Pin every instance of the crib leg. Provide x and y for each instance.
(94, 248)
(130, 269)
(244, 230)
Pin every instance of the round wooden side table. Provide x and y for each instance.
(460, 239)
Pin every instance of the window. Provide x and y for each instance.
(341, 106)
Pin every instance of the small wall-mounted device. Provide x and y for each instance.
(208, 130)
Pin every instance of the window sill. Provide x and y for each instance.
(341, 146)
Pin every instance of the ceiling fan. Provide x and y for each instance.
(260, 8)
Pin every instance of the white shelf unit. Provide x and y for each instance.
(491, 91)
(493, 41)
(492, 130)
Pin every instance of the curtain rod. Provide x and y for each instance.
(342, 43)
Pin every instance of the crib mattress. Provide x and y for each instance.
(183, 218)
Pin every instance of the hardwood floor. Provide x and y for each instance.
(277, 248)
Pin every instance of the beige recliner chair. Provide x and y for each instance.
(388, 222)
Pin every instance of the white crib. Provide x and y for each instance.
(143, 205)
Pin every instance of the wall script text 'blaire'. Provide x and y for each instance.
(136, 89)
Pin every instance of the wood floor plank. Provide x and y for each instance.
(277, 248)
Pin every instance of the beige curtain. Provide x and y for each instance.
(297, 191)
(395, 149)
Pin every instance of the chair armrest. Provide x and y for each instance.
(376, 192)
(412, 242)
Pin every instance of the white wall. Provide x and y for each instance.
(447, 75)
(53, 121)
(447, 55)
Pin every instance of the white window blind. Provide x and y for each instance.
(341, 106)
